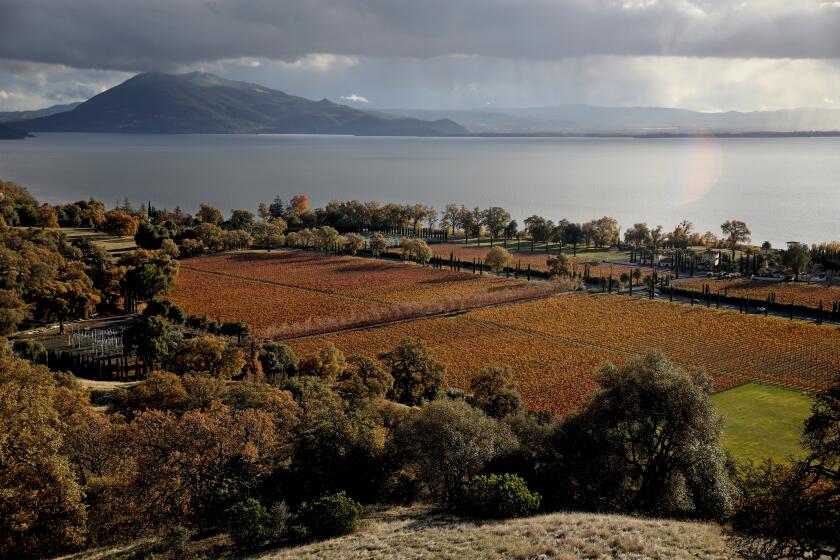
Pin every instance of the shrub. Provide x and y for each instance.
(363, 379)
(190, 247)
(331, 516)
(334, 451)
(249, 524)
(495, 392)
(238, 329)
(455, 394)
(278, 359)
(31, 350)
(417, 249)
(498, 496)
(418, 376)
(157, 308)
(447, 441)
(498, 259)
(560, 265)
(401, 488)
(328, 364)
(118, 222)
(353, 243)
(175, 542)
(198, 322)
(150, 236)
(378, 244)
(176, 314)
(170, 249)
(648, 442)
(207, 354)
(280, 516)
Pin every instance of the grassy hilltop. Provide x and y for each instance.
(421, 534)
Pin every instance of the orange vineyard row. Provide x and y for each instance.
(551, 375)
(381, 281)
(726, 344)
(799, 293)
(259, 304)
(289, 294)
(556, 346)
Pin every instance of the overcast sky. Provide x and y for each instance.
(698, 54)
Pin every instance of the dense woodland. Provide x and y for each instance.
(227, 433)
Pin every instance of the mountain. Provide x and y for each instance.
(9, 133)
(586, 119)
(12, 116)
(204, 103)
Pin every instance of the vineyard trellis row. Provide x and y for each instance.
(556, 346)
(288, 294)
(784, 293)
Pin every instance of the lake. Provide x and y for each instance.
(784, 188)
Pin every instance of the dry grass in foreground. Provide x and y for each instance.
(421, 534)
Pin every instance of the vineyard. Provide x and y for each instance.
(799, 293)
(293, 293)
(556, 346)
(552, 375)
(727, 345)
(260, 304)
(378, 281)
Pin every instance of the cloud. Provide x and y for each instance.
(33, 85)
(462, 82)
(355, 98)
(458, 82)
(136, 35)
(7, 95)
(699, 54)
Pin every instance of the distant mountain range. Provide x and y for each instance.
(586, 119)
(13, 116)
(204, 103)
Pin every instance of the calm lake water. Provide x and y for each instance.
(785, 189)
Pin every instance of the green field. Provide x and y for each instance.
(762, 421)
(112, 243)
(605, 254)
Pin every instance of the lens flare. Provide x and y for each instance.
(703, 169)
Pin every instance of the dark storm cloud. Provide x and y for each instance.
(137, 35)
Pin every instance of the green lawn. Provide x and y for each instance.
(605, 254)
(762, 421)
(111, 243)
